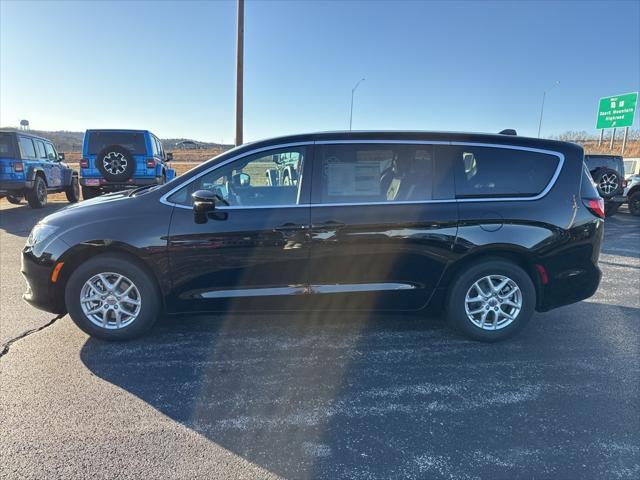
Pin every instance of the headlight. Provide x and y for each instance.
(40, 232)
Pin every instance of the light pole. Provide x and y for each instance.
(544, 95)
(353, 90)
(239, 71)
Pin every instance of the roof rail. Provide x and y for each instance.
(508, 131)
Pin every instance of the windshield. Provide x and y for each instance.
(132, 141)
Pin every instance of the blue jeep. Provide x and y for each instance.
(30, 167)
(113, 160)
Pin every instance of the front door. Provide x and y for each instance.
(383, 225)
(55, 169)
(253, 251)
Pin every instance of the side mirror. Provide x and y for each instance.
(61, 156)
(204, 202)
(169, 156)
(241, 180)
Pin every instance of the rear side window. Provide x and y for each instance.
(132, 141)
(40, 149)
(6, 145)
(27, 150)
(501, 172)
(368, 173)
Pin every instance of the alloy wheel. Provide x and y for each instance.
(115, 163)
(110, 300)
(608, 183)
(493, 302)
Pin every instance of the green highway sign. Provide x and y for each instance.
(617, 111)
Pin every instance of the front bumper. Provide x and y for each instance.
(40, 291)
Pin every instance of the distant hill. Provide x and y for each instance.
(72, 141)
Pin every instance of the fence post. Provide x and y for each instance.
(613, 138)
(624, 139)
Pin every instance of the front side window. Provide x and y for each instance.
(51, 153)
(27, 150)
(40, 149)
(501, 172)
(368, 173)
(270, 178)
(154, 146)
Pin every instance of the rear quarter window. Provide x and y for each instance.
(6, 145)
(502, 172)
(132, 141)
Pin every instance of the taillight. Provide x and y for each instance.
(151, 163)
(595, 206)
(625, 183)
(84, 163)
(18, 167)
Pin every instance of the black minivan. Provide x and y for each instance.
(488, 228)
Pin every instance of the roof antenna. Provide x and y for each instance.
(508, 131)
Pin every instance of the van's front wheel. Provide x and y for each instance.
(112, 298)
(491, 300)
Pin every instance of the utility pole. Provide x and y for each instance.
(239, 72)
(353, 90)
(544, 95)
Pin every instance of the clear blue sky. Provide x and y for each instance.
(170, 66)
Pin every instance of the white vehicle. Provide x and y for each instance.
(632, 192)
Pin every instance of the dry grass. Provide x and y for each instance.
(632, 150)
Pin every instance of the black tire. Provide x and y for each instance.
(73, 190)
(88, 193)
(610, 208)
(37, 196)
(150, 298)
(608, 182)
(115, 163)
(457, 316)
(14, 199)
(634, 204)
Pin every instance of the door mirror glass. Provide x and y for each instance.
(169, 156)
(204, 202)
(61, 156)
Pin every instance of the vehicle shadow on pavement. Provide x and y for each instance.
(333, 395)
(20, 219)
(622, 235)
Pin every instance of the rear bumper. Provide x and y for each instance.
(573, 286)
(15, 186)
(109, 186)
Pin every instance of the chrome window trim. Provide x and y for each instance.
(542, 194)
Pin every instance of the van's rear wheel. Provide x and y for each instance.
(112, 298)
(491, 300)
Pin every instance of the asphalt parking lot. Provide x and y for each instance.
(240, 396)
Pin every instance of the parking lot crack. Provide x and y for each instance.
(7, 345)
